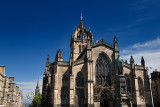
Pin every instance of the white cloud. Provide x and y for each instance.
(152, 45)
(149, 50)
(149, 44)
(27, 88)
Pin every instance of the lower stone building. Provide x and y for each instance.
(155, 76)
(94, 76)
(10, 96)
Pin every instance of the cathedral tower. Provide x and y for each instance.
(79, 39)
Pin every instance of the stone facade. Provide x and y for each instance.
(155, 76)
(10, 96)
(89, 78)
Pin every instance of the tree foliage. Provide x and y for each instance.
(37, 100)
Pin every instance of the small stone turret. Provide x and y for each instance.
(115, 44)
(47, 65)
(59, 56)
(116, 51)
(47, 62)
(132, 62)
(142, 62)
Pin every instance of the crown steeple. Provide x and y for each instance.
(79, 40)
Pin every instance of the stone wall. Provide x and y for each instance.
(9, 91)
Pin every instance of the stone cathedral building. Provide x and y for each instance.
(94, 76)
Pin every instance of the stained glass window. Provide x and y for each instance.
(102, 70)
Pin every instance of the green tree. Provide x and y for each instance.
(37, 100)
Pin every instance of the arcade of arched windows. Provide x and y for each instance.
(102, 70)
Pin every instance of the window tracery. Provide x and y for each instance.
(64, 94)
(102, 70)
(128, 83)
(64, 89)
(140, 85)
(80, 85)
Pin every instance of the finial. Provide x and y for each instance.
(142, 61)
(131, 59)
(89, 29)
(102, 40)
(47, 62)
(81, 15)
(59, 56)
(115, 38)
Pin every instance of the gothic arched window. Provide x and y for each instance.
(79, 80)
(80, 85)
(64, 89)
(140, 85)
(128, 83)
(64, 94)
(97, 68)
(103, 70)
(65, 78)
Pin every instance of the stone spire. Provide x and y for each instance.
(81, 21)
(115, 44)
(37, 90)
(81, 16)
(38, 83)
(142, 62)
(131, 60)
(47, 62)
(59, 56)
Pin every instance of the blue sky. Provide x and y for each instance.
(30, 30)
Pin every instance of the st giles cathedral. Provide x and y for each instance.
(94, 76)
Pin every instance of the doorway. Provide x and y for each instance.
(104, 102)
